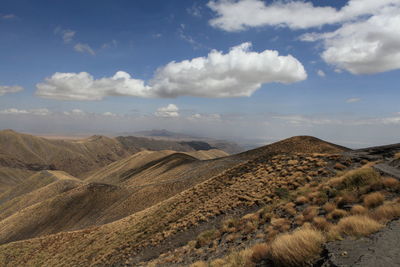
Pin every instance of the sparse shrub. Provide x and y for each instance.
(337, 214)
(300, 200)
(374, 199)
(289, 208)
(356, 178)
(280, 224)
(260, 252)
(391, 183)
(386, 212)
(358, 210)
(321, 224)
(199, 264)
(329, 207)
(206, 237)
(346, 198)
(310, 212)
(358, 225)
(239, 259)
(296, 249)
(339, 166)
(282, 192)
(229, 225)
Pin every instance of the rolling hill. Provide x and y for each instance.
(140, 204)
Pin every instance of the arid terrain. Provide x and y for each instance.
(143, 201)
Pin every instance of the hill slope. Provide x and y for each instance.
(180, 197)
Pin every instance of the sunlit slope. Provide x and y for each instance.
(244, 184)
(25, 151)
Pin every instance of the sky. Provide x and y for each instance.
(234, 69)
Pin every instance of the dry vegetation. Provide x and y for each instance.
(276, 208)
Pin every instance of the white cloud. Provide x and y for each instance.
(194, 10)
(364, 47)
(67, 35)
(353, 100)
(170, 111)
(15, 111)
(237, 15)
(321, 73)
(206, 117)
(84, 48)
(240, 72)
(5, 89)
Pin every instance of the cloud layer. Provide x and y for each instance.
(364, 47)
(240, 72)
(5, 89)
(234, 15)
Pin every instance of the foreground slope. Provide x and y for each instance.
(254, 178)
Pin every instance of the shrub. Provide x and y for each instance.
(296, 249)
(337, 214)
(357, 178)
(358, 210)
(259, 252)
(386, 212)
(374, 199)
(358, 225)
(206, 237)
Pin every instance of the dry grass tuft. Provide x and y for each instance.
(329, 207)
(321, 224)
(229, 225)
(260, 252)
(391, 183)
(199, 264)
(310, 212)
(356, 178)
(239, 259)
(296, 249)
(358, 225)
(397, 155)
(300, 200)
(386, 212)
(206, 237)
(346, 198)
(374, 199)
(337, 214)
(358, 210)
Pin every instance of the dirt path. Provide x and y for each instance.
(379, 249)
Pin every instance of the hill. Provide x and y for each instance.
(29, 152)
(165, 199)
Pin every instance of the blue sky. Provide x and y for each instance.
(340, 82)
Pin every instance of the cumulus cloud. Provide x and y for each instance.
(5, 89)
(353, 100)
(364, 47)
(237, 15)
(84, 48)
(15, 111)
(240, 72)
(170, 111)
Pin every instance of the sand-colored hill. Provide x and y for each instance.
(176, 193)
(74, 156)
(10, 177)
